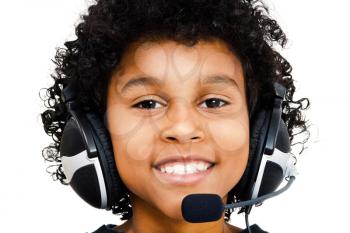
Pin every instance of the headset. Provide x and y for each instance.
(89, 166)
(270, 159)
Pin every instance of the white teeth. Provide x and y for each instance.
(202, 166)
(179, 169)
(169, 169)
(188, 168)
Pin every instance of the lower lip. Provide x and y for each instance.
(182, 180)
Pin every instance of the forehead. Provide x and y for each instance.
(170, 61)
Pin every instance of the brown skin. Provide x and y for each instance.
(183, 121)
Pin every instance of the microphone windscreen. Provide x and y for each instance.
(197, 208)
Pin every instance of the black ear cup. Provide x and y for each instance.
(269, 159)
(258, 131)
(87, 156)
(273, 168)
(72, 147)
(80, 166)
(88, 160)
(115, 186)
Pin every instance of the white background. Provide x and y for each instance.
(318, 49)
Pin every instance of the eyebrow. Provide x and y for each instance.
(220, 79)
(152, 81)
(141, 81)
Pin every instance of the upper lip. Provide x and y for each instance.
(182, 158)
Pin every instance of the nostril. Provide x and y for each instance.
(174, 139)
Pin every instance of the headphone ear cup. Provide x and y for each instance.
(275, 167)
(114, 185)
(81, 172)
(258, 131)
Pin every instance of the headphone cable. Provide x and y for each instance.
(247, 222)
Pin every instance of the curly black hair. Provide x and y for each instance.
(110, 26)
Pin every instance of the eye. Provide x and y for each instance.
(153, 104)
(215, 102)
(147, 104)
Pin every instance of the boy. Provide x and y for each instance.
(170, 92)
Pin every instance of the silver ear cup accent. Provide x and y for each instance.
(284, 160)
(72, 164)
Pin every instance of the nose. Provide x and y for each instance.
(181, 138)
(182, 125)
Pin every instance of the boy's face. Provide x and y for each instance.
(190, 107)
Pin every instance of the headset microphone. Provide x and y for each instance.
(198, 208)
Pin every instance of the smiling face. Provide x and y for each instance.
(172, 111)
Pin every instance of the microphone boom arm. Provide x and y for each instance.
(262, 198)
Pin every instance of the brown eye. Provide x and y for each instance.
(147, 104)
(152, 104)
(215, 102)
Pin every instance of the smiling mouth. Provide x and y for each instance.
(180, 168)
(179, 173)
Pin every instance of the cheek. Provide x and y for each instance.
(229, 135)
(121, 124)
(131, 135)
(133, 153)
(231, 138)
(132, 140)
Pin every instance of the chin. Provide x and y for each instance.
(172, 209)
(174, 214)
